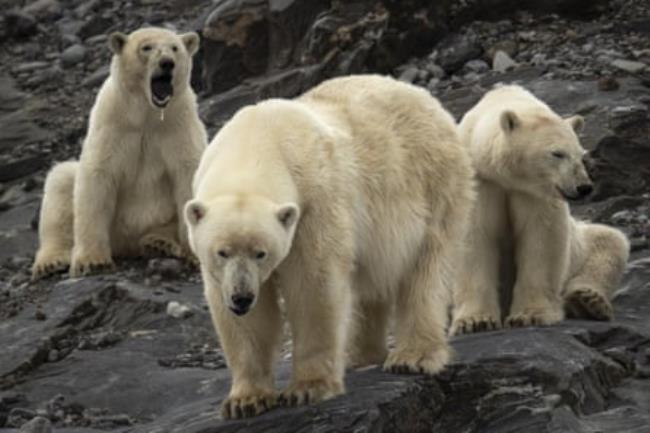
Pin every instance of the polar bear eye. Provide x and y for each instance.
(146, 48)
(174, 48)
(259, 255)
(223, 254)
(558, 154)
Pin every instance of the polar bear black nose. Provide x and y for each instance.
(167, 65)
(585, 190)
(242, 301)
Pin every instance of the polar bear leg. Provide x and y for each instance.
(318, 302)
(56, 221)
(369, 332)
(589, 290)
(541, 259)
(250, 343)
(476, 295)
(421, 312)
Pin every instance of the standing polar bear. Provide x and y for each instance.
(126, 194)
(350, 202)
(529, 162)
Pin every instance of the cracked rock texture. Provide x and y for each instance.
(134, 351)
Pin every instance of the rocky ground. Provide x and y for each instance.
(134, 351)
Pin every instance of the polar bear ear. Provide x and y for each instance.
(509, 121)
(117, 41)
(191, 41)
(577, 122)
(288, 214)
(194, 212)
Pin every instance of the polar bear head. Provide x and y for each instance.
(544, 154)
(240, 240)
(154, 62)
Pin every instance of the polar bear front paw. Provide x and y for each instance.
(587, 303)
(44, 266)
(310, 391)
(428, 361)
(533, 318)
(468, 325)
(90, 264)
(248, 405)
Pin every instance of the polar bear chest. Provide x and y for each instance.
(145, 194)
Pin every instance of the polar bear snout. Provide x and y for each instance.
(241, 303)
(166, 64)
(585, 189)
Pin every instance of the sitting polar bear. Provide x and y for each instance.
(528, 162)
(126, 194)
(350, 202)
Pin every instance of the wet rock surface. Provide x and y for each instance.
(135, 351)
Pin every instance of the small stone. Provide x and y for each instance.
(18, 416)
(433, 84)
(53, 355)
(37, 425)
(629, 66)
(178, 310)
(40, 315)
(97, 77)
(477, 66)
(435, 71)
(608, 84)
(502, 62)
(509, 47)
(73, 55)
(409, 75)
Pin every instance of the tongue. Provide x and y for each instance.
(162, 88)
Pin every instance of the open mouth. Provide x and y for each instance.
(162, 89)
(567, 196)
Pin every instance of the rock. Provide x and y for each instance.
(629, 66)
(435, 70)
(73, 55)
(19, 416)
(477, 66)
(168, 268)
(409, 75)
(607, 84)
(456, 50)
(21, 168)
(97, 77)
(37, 425)
(97, 24)
(510, 47)
(44, 9)
(502, 62)
(178, 310)
(19, 24)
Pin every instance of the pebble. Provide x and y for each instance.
(608, 84)
(502, 62)
(73, 55)
(178, 310)
(37, 425)
(477, 66)
(409, 75)
(30, 66)
(629, 66)
(97, 77)
(19, 24)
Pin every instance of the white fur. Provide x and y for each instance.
(383, 191)
(523, 237)
(126, 194)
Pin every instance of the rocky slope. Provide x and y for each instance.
(134, 351)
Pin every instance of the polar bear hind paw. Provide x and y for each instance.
(156, 246)
(247, 406)
(589, 304)
(469, 325)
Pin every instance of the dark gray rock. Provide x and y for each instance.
(73, 55)
(37, 425)
(19, 24)
(456, 50)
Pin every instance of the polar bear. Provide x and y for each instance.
(529, 162)
(126, 194)
(350, 202)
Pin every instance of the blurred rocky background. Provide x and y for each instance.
(135, 351)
